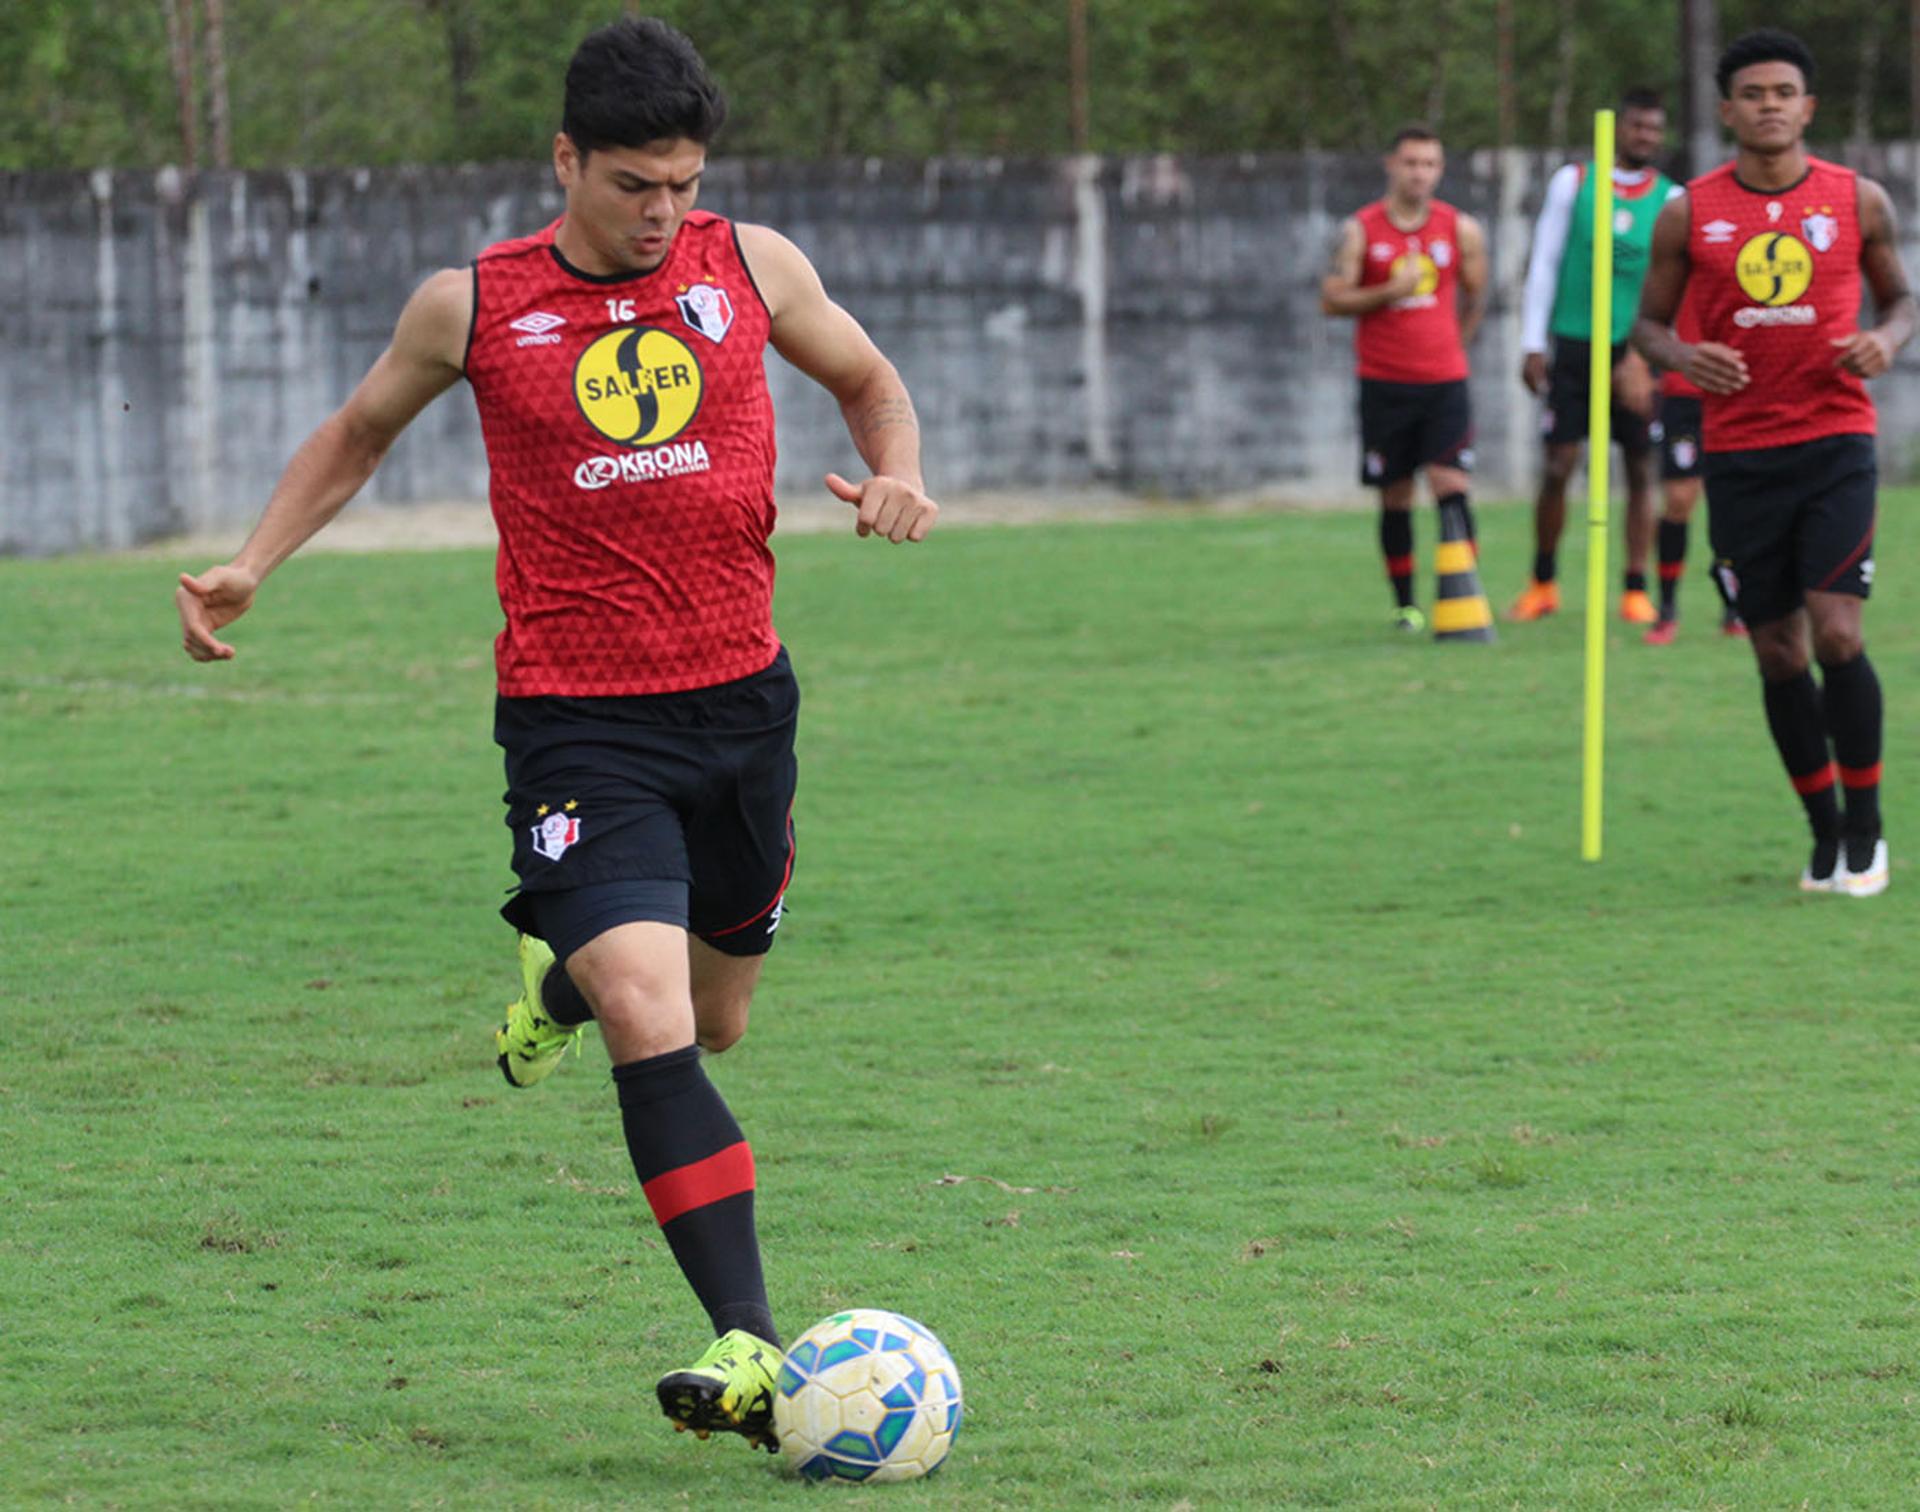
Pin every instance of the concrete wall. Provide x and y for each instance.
(1148, 323)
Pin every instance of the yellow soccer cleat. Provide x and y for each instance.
(729, 1389)
(530, 1043)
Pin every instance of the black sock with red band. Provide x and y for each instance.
(1851, 697)
(1396, 545)
(1800, 734)
(697, 1173)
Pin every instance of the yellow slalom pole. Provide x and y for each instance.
(1599, 454)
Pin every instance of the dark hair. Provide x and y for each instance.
(1641, 99)
(1764, 46)
(1413, 131)
(636, 82)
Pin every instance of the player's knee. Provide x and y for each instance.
(1781, 658)
(640, 1008)
(720, 1019)
(1835, 645)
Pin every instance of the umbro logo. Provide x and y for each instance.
(539, 328)
(1715, 232)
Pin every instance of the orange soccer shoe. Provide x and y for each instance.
(1637, 609)
(1540, 600)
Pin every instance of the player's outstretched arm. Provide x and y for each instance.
(423, 360)
(829, 346)
(1717, 369)
(1473, 276)
(1340, 291)
(1870, 353)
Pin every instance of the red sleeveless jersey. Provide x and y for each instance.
(1777, 275)
(1416, 339)
(1686, 325)
(630, 436)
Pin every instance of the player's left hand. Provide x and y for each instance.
(1865, 354)
(888, 507)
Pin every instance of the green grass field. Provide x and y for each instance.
(1191, 1004)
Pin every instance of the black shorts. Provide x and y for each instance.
(693, 787)
(1794, 519)
(1569, 388)
(1676, 431)
(1407, 426)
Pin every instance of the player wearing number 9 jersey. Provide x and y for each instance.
(1771, 251)
(646, 708)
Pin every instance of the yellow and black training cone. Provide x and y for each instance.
(1460, 609)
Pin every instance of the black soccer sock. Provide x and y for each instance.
(1636, 582)
(1851, 697)
(1800, 733)
(1672, 537)
(565, 1003)
(1543, 566)
(1396, 545)
(697, 1173)
(1458, 500)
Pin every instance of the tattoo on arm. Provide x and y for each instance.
(884, 414)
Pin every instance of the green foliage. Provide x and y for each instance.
(1190, 1005)
(313, 82)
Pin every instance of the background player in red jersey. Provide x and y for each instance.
(1414, 271)
(1770, 251)
(646, 707)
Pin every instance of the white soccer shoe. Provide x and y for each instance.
(1868, 881)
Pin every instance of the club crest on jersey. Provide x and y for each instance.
(1821, 232)
(1442, 253)
(554, 834)
(708, 309)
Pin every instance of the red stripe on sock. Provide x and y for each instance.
(1670, 571)
(1399, 566)
(681, 1190)
(1814, 782)
(1860, 777)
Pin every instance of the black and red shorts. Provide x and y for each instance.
(694, 788)
(1794, 519)
(1407, 426)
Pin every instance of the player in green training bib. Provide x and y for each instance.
(1558, 303)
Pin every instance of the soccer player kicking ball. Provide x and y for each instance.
(645, 707)
(1769, 250)
(1402, 267)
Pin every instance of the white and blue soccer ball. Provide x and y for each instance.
(866, 1395)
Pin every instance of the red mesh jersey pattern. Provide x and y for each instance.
(630, 436)
(1777, 275)
(1416, 339)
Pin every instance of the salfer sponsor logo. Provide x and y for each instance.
(638, 385)
(1774, 268)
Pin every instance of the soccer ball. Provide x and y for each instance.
(866, 1395)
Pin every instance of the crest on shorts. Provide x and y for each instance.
(1685, 453)
(554, 833)
(708, 309)
(1375, 464)
(1821, 232)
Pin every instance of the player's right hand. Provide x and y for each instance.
(1403, 279)
(1717, 369)
(216, 598)
(1533, 373)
